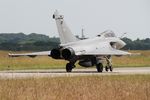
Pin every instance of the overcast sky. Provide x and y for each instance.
(95, 16)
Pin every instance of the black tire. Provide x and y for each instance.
(68, 67)
(99, 67)
(111, 68)
(106, 68)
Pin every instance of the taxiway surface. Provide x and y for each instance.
(76, 72)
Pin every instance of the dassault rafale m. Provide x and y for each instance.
(88, 52)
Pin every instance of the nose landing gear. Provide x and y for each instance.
(107, 68)
(109, 64)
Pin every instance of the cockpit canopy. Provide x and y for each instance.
(107, 33)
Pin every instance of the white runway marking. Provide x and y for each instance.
(75, 72)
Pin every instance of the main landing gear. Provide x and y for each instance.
(69, 67)
(99, 67)
(98, 63)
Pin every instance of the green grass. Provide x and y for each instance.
(7, 63)
(130, 87)
(142, 60)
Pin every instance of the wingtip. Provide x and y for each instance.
(9, 54)
(12, 55)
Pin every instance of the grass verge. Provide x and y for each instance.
(131, 87)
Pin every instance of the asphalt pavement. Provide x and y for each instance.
(13, 74)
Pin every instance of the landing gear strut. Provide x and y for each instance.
(109, 64)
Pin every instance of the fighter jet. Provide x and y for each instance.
(88, 52)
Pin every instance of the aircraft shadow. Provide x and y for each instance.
(57, 72)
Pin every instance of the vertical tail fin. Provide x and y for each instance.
(65, 33)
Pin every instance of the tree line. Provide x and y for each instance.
(23, 42)
(39, 42)
(143, 44)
